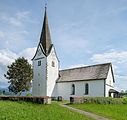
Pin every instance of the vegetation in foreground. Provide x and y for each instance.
(101, 100)
(28, 111)
(19, 74)
(113, 111)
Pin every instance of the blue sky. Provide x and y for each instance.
(84, 32)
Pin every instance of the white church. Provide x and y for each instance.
(93, 81)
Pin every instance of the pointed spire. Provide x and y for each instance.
(45, 38)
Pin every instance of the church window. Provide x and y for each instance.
(39, 63)
(86, 89)
(53, 64)
(72, 89)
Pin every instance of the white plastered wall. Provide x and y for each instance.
(39, 85)
(52, 71)
(109, 83)
(96, 89)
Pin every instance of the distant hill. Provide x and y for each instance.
(5, 91)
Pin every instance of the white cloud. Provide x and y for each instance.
(17, 36)
(117, 58)
(3, 81)
(119, 61)
(15, 22)
(7, 57)
(28, 53)
(15, 30)
(74, 43)
(70, 38)
(2, 34)
(24, 32)
(75, 66)
(17, 19)
(121, 82)
(22, 15)
(123, 77)
(113, 56)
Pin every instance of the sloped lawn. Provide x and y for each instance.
(29, 111)
(112, 111)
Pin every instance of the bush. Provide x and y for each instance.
(125, 100)
(105, 100)
(28, 94)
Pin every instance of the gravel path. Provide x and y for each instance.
(96, 117)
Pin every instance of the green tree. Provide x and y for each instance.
(122, 91)
(126, 91)
(19, 74)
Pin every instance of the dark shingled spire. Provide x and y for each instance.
(45, 38)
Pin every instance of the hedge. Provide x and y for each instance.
(105, 100)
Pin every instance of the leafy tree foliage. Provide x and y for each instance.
(19, 74)
(123, 93)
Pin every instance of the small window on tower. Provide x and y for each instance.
(53, 64)
(39, 63)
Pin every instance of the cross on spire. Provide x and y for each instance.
(45, 4)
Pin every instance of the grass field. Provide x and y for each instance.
(28, 111)
(115, 112)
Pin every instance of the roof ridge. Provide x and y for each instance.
(86, 66)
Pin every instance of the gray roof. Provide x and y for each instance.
(45, 38)
(113, 91)
(93, 72)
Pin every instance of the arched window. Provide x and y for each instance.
(86, 89)
(73, 89)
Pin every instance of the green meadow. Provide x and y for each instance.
(111, 111)
(10, 110)
(28, 111)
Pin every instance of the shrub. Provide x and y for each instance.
(28, 94)
(105, 100)
(125, 100)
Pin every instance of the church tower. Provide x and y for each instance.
(45, 64)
